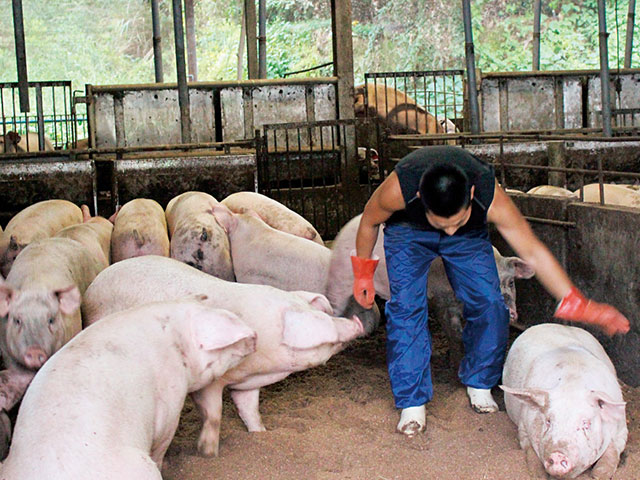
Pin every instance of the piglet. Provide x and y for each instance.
(37, 221)
(94, 233)
(140, 228)
(273, 213)
(562, 392)
(197, 239)
(107, 405)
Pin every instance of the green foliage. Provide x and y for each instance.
(109, 42)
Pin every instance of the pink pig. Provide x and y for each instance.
(108, 404)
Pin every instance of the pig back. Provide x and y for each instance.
(95, 235)
(273, 213)
(263, 255)
(140, 228)
(549, 356)
(40, 220)
(197, 239)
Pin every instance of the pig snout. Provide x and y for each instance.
(558, 464)
(511, 305)
(370, 318)
(34, 357)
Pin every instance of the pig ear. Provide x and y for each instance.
(6, 295)
(609, 408)
(521, 268)
(69, 299)
(218, 329)
(316, 300)
(225, 217)
(533, 396)
(306, 330)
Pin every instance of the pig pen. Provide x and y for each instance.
(338, 422)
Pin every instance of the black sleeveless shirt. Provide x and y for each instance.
(410, 169)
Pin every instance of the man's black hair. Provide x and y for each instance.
(445, 189)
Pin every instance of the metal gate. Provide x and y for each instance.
(314, 169)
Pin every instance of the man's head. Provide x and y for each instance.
(446, 193)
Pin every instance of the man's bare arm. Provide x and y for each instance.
(516, 231)
(386, 199)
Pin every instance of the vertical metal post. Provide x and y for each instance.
(183, 88)
(343, 69)
(474, 111)
(262, 38)
(243, 33)
(605, 85)
(252, 54)
(191, 40)
(157, 41)
(21, 56)
(631, 22)
(536, 34)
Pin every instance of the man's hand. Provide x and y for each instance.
(363, 290)
(574, 306)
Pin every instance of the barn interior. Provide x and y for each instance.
(321, 146)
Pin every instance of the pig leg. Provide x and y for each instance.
(606, 466)
(247, 403)
(13, 384)
(5, 434)
(209, 402)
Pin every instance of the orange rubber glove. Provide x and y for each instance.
(363, 290)
(574, 306)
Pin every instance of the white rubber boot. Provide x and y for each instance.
(481, 400)
(412, 421)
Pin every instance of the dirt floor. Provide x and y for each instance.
(337, 422)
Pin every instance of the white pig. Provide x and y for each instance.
(107, 405)
(197, 239)
(296, 330)
(40, 300)
(140, 228)
(266, 256)
(273, 213)
(562, 392)
(37, 221)
(613, 195)
(552, 191)
(94, 233)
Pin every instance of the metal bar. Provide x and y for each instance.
(183, 88)
(252, 54)
(262, 39)
(21, 55)
(631, 21)
(536, 34)
(307, 69)
(40, 120)
(474, 111)
(547, 221)
(190, 25)
(605, 85)
(157, 41)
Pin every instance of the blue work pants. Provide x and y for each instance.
(471, 269)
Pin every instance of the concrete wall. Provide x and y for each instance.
(600, 253)
(552, 100)
(27, 181)
(130, 115)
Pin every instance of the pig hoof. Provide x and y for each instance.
(481, 400)
(207, 447)
(412, 421)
